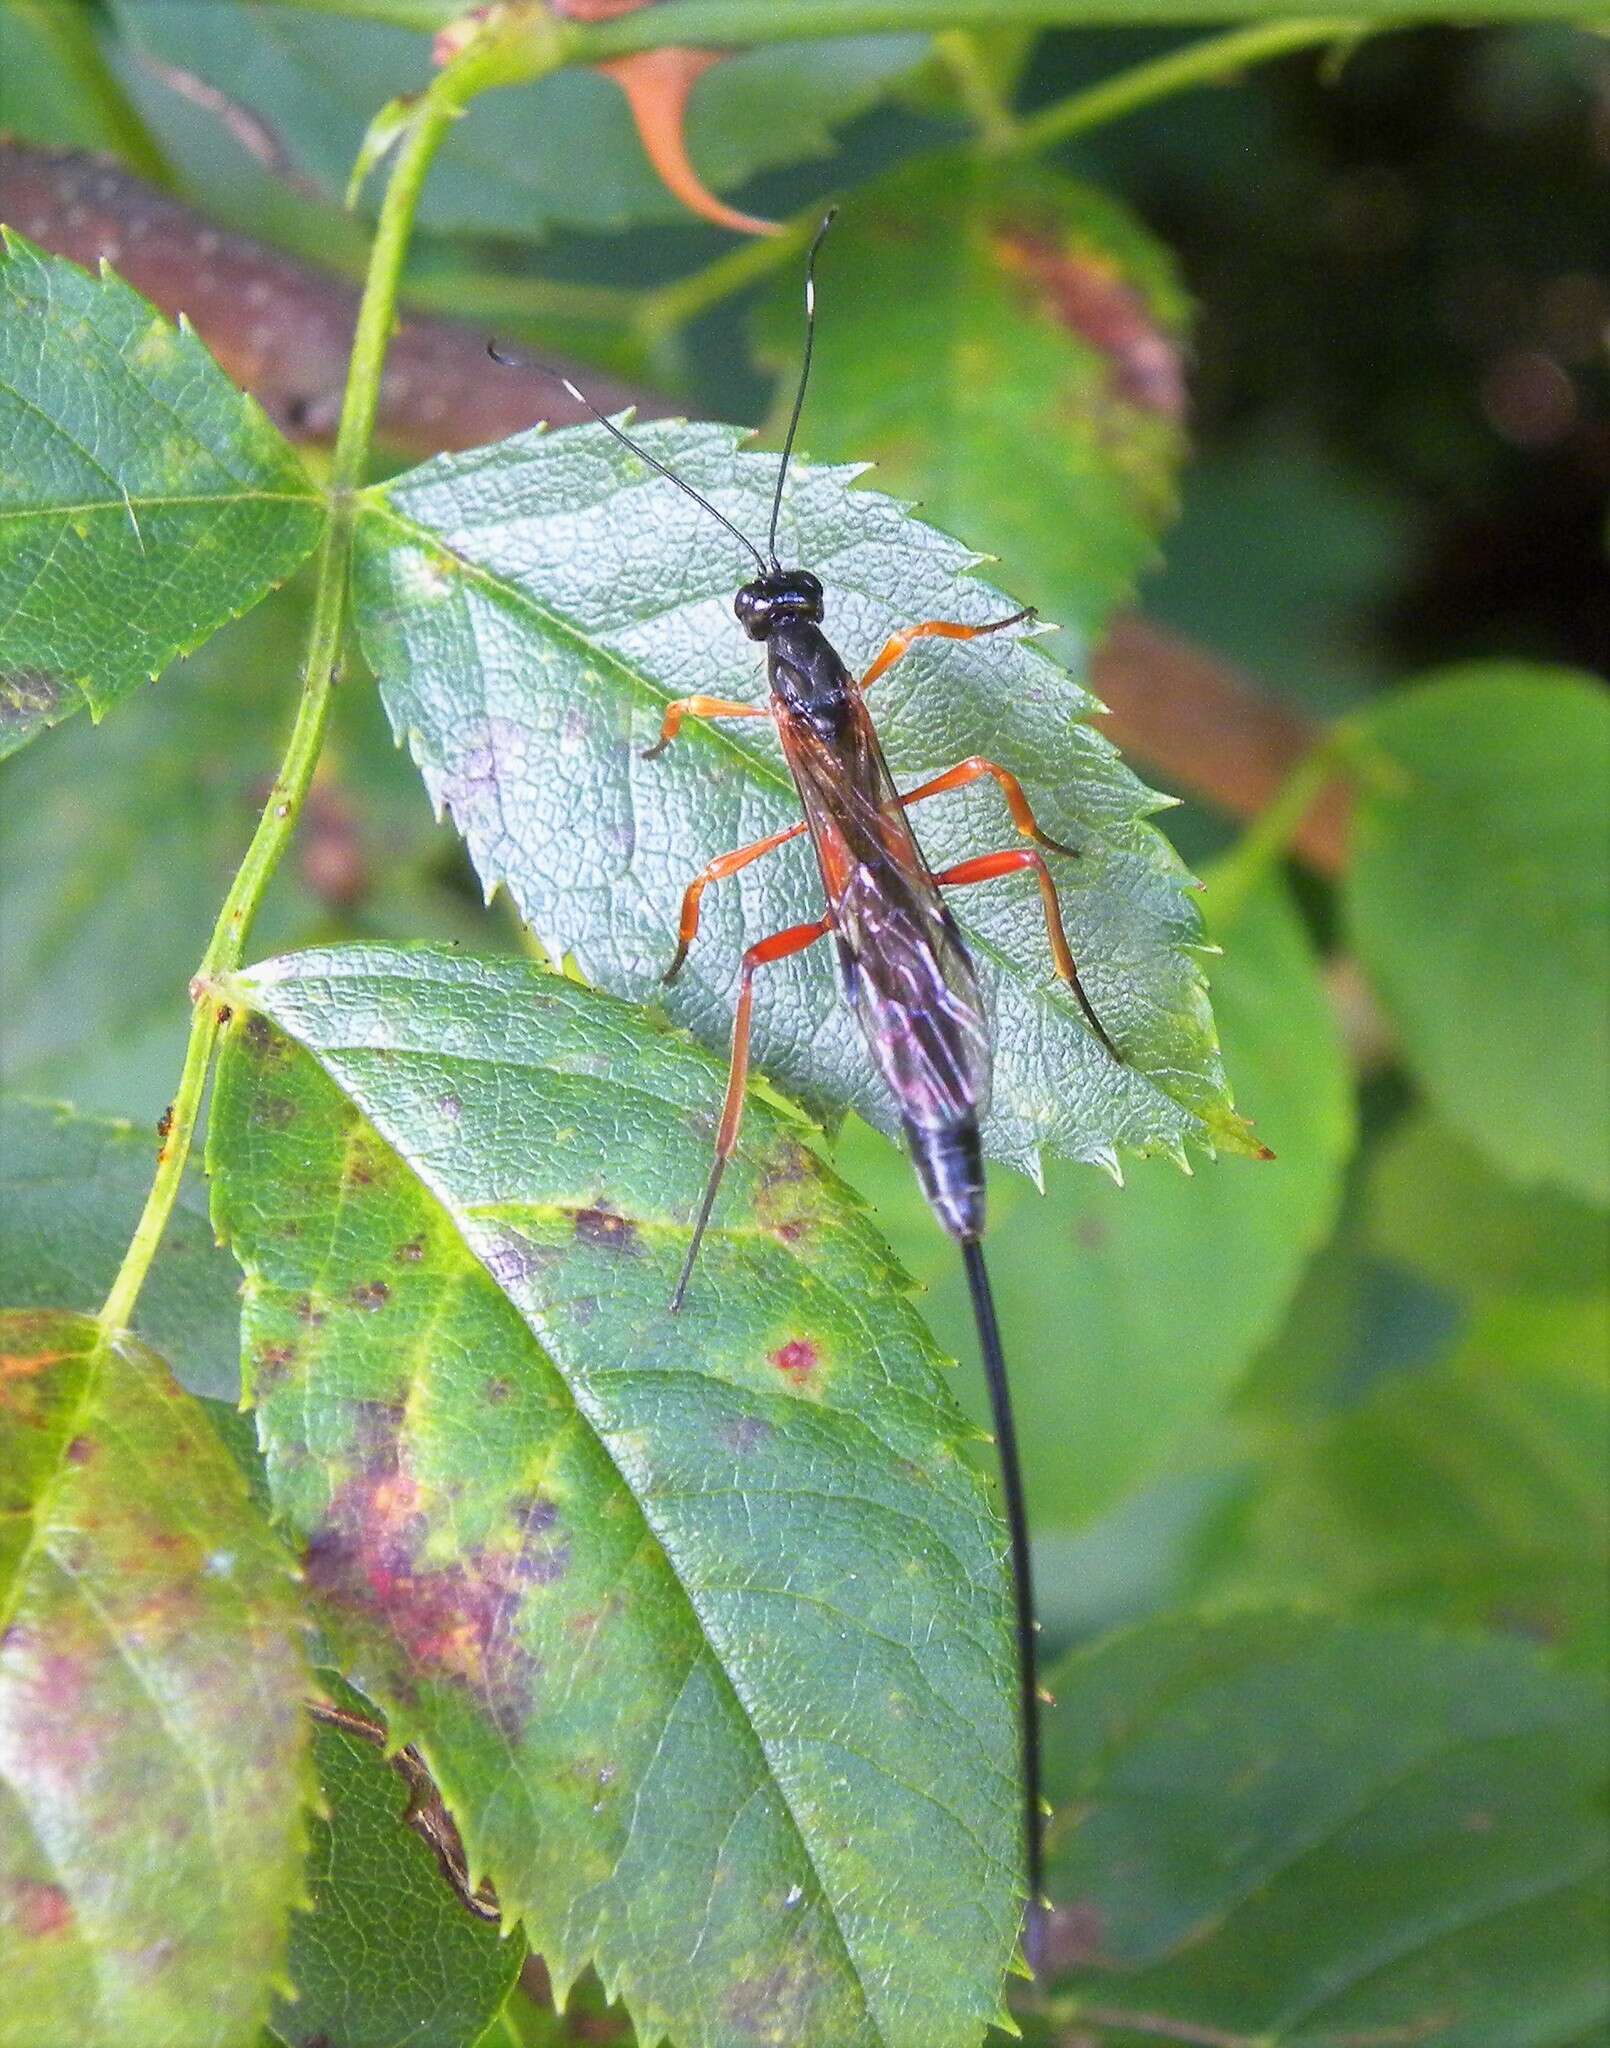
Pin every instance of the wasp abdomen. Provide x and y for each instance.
(950, 1165)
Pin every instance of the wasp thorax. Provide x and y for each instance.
(784, 597)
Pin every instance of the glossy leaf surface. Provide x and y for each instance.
(531, 608)
(699, 1622)
(71, 1190)
(1479, 902)
(151, 1680)
(386, 1956)
(1163, 1289)
(143, 499)
(1282, 1829)
(1009, 348)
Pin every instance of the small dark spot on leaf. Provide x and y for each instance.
(307, 1313)
(745, 1433)
(534, 1514)
(797, 1357)
(411, 1253)
(450, 1106)
(605, 1230)
(80, 1451)
(583, 1310)
(272, 1112)
(165, 1121)
(1091, 1233)
(225, 1013)
(791, 1162)
(361, 1173)
(370, 1294)
(272, 1364)
(514, 1258)
(498, 1391)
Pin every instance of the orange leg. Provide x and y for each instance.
(697, 707)
(985, 869)
(933, 629)
(718, 870)
(777, 947)
(1016, 802)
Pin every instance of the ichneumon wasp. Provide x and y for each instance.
(905, 970)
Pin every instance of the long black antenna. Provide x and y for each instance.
(1000, 1401)
(804, 379)
(603, 419)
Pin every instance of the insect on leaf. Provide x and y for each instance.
(151, 1724)
(530, 609)
(143, 499)
(699, 1622)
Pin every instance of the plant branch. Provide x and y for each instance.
(988, 107)
(1212, 61)
(669, 306)
(488, 60)
(71, 33)
(715, 24)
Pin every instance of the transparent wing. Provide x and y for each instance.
(906, 972)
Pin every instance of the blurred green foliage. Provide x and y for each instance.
(1315, 1446)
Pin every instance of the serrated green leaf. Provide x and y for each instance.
(1478, 899)
(1470, 1493)
(386, 1956)
(530, 608)
(143, 499)
(562, 150)
(1435, 1203)
(152, 1741)
(1164, 1288)
(1284, 1830)
(1008, 347)
(71, 1190)
(699, 1622)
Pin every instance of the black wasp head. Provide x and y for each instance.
(781, 597)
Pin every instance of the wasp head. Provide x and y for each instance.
(781, 597)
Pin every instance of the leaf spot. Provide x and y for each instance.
(797, 1358)
(606, 1231)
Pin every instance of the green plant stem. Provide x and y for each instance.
(493, 62)
(716, 24)
(1209, 62)
(1267, 839)
(72, 34)
(670, 306)
(987, 106)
